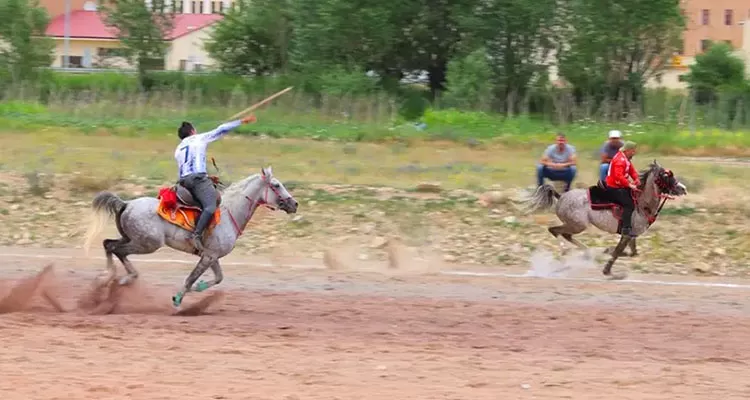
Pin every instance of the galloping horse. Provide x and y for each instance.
(579, 208)
(146, 224)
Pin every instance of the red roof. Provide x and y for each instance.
(90, 25)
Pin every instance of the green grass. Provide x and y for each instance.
(352, 120)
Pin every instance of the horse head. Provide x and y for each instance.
(664, 180)
(276, 195)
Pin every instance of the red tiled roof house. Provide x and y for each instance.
(93, 44)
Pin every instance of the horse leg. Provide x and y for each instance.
(569, 237)
(607, 271)
(558, 231)
(110, 245)
(203, 264)
(218, 277)
(633, 249)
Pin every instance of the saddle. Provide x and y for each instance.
(180, 196)
(178, 206)
(599, 200)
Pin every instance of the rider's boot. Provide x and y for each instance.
(200, 226)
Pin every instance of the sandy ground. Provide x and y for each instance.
(295, 333)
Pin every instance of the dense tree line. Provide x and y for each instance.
(473, 54)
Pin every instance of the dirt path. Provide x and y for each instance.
(286, 333)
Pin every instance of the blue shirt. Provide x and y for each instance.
(609, 149)
(557, 156)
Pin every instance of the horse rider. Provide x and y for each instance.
(620, 190)
(191, 162)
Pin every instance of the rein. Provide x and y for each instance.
(253, 205)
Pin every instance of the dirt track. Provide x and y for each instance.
(314, 334)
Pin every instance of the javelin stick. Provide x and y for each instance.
(259, 104)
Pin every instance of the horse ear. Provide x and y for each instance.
(267, 172)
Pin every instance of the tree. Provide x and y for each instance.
(23, 46)
(142, 28)
(611, 47)
(519, 36)
(354, 34)
(715, 69)
(469, 81)
(253, 38)
(431, 34)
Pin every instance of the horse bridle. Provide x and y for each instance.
(664, 196)
(253, 205)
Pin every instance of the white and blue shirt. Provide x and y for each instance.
(191, 152)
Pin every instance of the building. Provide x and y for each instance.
(57, 7)
(706, 21)
(93, 44)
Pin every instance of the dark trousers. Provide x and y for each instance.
(566, 175)
(204, 191)
(624, 198)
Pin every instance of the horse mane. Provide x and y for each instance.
(644, 174)
(231, 191)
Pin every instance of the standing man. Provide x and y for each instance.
(619, 188)
(608, 151)
(558, 163)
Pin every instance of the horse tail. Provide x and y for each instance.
(543, 199)
(105, 205)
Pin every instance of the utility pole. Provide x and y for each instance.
(66, 38)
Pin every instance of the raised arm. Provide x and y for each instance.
(223, 129)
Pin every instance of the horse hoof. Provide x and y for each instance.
(617, 277)
(125, 280)
(635, 254)
(177, 299)
(201, 286)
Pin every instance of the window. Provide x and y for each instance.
(178, 6)
(705, 44)
(681, 47)
(73, 61)
(705, 17)
(183, 65)
(200, 7)
(154, 64)
(728, 17)
(221, 7)
(110, 52)
(194, 9)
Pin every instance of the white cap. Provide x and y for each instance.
(615, 134)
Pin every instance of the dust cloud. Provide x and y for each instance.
(545, 265)
(43, 292)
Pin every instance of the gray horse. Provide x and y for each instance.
(575, 211)
(143, 231)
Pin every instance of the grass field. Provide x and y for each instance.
(353, 119)
(358, 194)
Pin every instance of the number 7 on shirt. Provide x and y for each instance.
(187, 152)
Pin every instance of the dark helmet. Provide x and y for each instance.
(185, 130)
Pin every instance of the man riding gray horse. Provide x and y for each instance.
(615, 206)
(619, 189)
(190, 155)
